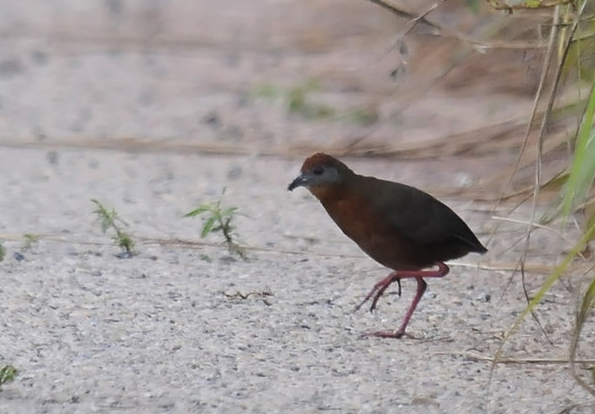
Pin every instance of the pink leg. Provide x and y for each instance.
(421, 288)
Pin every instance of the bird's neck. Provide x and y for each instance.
(328, 194)
(338, 191)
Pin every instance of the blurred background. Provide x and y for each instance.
(275, 77)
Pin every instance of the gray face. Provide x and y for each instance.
(317, 175)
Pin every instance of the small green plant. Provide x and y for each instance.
(29, 241)
(111, 220)
(298, 103)
(206, 258)
(7, 374)
(296, 99)
(2, 252)
(218, 219)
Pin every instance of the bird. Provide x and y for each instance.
(401, 227)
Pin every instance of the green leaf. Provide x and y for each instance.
(208, 226)
(229, 212)
(7, 374)
(124, 241)
(199, 210)
(586, 305)
(550, 280)
(582, 171)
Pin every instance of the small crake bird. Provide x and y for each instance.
(401, 227)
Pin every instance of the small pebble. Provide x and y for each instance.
(484, 297)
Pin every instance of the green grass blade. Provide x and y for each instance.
(229, 212)
(7, 374)
(551, 279)
(586, 305)
(582, 171)
(208, 226)
(199, 210)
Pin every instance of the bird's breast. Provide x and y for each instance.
(352, 214)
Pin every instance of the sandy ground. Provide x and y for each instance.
(166, 331)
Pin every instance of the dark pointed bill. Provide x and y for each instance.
(298, 182)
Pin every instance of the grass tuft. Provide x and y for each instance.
(576, 192)
(110, 220)
(7, 374)
(218, 219)
(29, 241)
(297, 99)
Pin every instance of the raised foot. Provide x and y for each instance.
(386, 334)
(379, 289)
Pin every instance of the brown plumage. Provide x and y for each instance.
(401, 227)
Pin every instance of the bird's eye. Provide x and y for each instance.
(318, 170)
